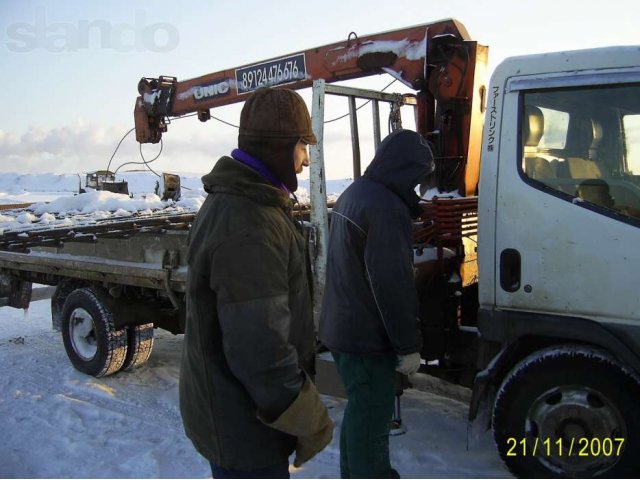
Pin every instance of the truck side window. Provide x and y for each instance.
(584, 143)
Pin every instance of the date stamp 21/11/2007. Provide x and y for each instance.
(581, 447)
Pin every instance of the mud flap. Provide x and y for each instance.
(482, 398)
(480, 412)
(14, 292)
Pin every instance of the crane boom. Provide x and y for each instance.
(437, 60)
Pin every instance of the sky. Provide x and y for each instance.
(71, 68)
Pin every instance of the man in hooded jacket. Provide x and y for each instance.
(370, 306)
(246, 398)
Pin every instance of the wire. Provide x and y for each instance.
(222, 121)
(119, 143)
(184, 116)
(365, 103)
(144, 161)
(346, 114)
(212, 116)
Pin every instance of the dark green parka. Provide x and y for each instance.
(249, 331)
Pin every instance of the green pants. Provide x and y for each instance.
(370, 382)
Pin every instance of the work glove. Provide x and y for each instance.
(307, 419)
(408, 364)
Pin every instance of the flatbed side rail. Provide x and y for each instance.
(140, 274)
(14, 206)
(23, 241)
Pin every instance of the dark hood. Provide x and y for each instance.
(401, 162)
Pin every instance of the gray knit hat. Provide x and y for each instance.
(271, 123)
(276, 113)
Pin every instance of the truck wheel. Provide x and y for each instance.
(139, 346)
(569, 411)
(92, 343)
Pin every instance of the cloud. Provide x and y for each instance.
(84, 147)
(189, 146)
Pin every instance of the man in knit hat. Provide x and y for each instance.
(246, 397)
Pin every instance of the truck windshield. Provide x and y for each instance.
(585, 143)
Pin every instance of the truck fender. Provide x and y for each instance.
(522, 333)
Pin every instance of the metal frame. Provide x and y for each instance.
(319, 216)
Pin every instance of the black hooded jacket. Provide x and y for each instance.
(370, 302)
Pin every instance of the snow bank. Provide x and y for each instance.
(16, 184)
(14, 187)
(64, 207)
(94, 201)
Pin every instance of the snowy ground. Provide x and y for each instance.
(59, 423)
(15, 188)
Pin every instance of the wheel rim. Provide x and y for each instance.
(562, 416)
(82, 334)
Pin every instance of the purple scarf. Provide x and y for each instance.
(258, 166)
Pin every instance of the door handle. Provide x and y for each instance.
(510, 268)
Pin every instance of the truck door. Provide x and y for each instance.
(567, 236)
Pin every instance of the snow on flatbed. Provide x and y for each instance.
(66, 209)
(91, 208)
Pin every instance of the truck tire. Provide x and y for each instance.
(92, 343)
(139, 346)
(569, 411)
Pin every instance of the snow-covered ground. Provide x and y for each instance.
(59, 423)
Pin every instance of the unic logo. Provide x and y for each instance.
(214, 89)
(85, 34)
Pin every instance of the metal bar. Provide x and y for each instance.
(376, 123)
(375, 97)
(15, 206)
(318, 216)
(355, 138)
(369, 94)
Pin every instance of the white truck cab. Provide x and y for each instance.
(558, 258)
